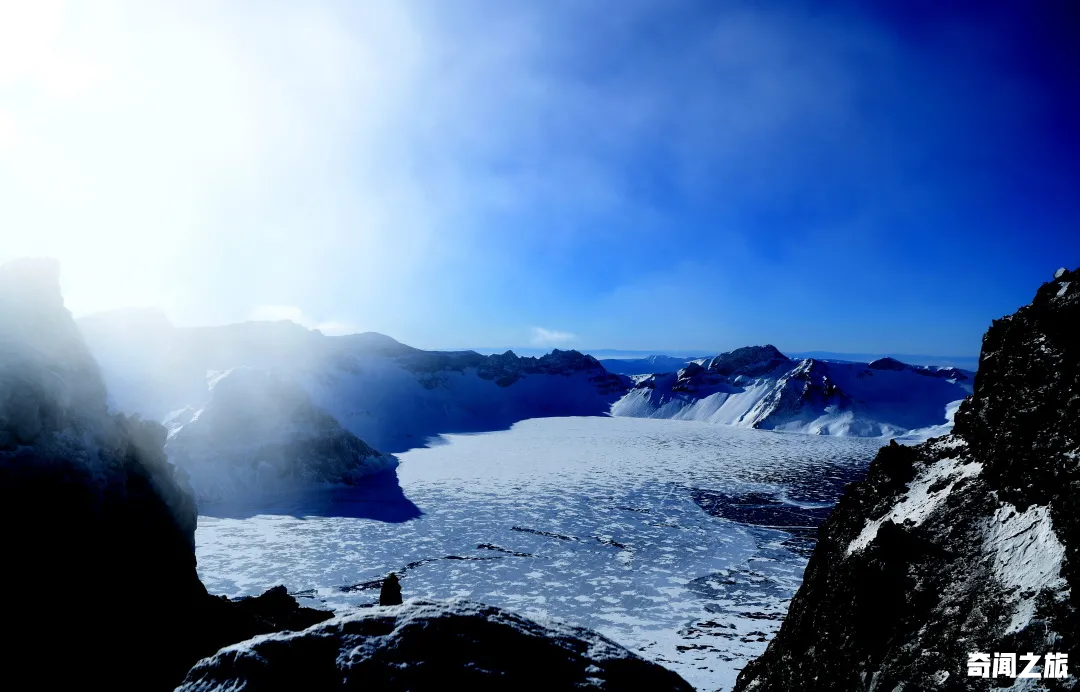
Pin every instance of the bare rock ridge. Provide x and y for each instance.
(965, 543)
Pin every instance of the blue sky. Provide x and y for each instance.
(852, 177)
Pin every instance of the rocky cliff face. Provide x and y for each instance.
(965, 543)
(99, 575)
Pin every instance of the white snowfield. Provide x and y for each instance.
(589, 520)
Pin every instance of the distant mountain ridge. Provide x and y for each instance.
(389, 395)
(392, 397)
(760, 387)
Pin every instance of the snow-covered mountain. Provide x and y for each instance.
(760, 387)
(964, 544)
(394, 397)
(391, 396)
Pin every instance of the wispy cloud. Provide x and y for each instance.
(550, 337)
(274, 313)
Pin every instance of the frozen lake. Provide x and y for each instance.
(660, 534)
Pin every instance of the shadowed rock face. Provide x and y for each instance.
(99, 572)
(966, 543)
(423, 646)
(260, 434)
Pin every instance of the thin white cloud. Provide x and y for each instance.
(550, 337)
(274, 313)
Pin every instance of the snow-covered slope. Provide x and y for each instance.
(390, 395)
(963, 544)
(259, 434)
(759, 387)
(421, 646)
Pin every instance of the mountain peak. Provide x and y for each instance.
(886, 363)
(748, 360)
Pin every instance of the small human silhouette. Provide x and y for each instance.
(391, 591)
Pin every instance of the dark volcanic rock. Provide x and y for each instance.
(507, 368)
(98, 543)
(748, 360)
(423, 646)
(963, 544)
(390, 593)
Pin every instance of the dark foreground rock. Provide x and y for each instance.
(422, 646)
(98, 578)
(964, 544)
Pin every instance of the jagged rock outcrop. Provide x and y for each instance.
(760, 387)
(99, 579)
(748, 361)
(965, 543)
(424, 647)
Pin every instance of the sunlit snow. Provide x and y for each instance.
(593, 521)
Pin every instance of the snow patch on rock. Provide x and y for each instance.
(924, 494)
(1027, 558)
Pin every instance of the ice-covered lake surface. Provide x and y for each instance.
(660, 534)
